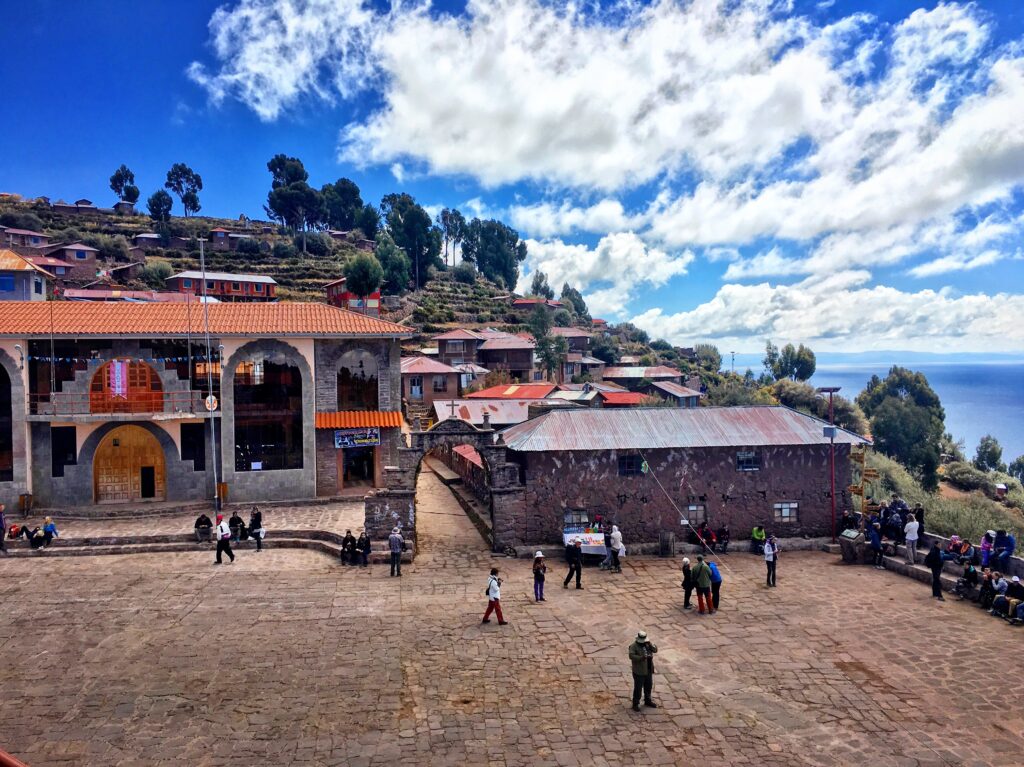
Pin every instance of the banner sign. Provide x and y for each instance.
(367, 437)
(119, 378)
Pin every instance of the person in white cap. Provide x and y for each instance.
(687, 584)
(396, 544)
(574, 556)
(493, 592)
(641, 656)
(539, 568)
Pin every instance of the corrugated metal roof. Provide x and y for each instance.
(506, 342)
(661, 428)
(626, 398)
(425, 365)
(471, 367)
(12, 262)
(225, 277)
(515, 391)
(658, 371)
(458, 335)
(675, 389)
(359, 420)
(469, 453)
(502, 412)
(570, 332)
(79, 246)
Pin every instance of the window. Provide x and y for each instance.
(696, 513)
(456, 347)
(787, 511)
(186, 283)
(210, 285)
(237, 286)
(440, 383)
(61, 270)
(63, 449)
(258, 287)
(6, 284)
(357, 381)
(126, 386)
(748, 460)
(193, 445)
(81, 255)
(38, 287)
(575, 520)
(630, 465)
(35, 240)
(268, 416)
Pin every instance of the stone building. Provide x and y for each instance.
(120, 403)
(646, 469)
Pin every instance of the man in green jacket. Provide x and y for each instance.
(641, 655)
(702, 577)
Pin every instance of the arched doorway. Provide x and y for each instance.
(6, 428)
(129, 466)
(126, 386)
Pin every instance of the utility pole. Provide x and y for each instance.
(209, 380)
(733, 362)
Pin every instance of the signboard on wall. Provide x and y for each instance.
(366, 437)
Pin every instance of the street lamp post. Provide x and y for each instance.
(830, 432)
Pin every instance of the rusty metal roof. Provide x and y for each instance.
(661, 428)
(675, 389)
(425, 365)
(515, 391)
(502, 412)
(650, 373)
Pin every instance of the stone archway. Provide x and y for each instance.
(395, 505)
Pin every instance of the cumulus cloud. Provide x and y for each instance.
(622, 261)
(843, 314)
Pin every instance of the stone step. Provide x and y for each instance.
(918, 572)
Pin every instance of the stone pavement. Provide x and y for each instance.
(287, 658)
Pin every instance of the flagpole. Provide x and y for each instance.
(209, 374)
(53, 358)
(188, 336)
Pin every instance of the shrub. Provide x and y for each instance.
(155, 273)
(967, 477)
(465, 273)
(249, 246)
(284, 250)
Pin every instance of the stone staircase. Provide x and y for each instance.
(321, 541)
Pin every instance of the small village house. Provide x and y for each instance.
(20, 279)
(425, 380)
(339, 295)
(225, 286)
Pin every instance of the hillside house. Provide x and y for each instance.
(338, 295)
(632, 377)
(681, 396)
(514, 354)
(525, 306)
(425, 380)
(57, 268)
(24, 238)
(83, 260)
(219, 239)
(20, 279)
(458, 347)
(146, 240)
(306, 402)
(225, 286)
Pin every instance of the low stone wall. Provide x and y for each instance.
(1016, 565)
(685, 549)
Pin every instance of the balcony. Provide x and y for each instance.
(101, 407)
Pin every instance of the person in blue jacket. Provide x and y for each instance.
(716, 585)
(875, 541)
(1003, 549)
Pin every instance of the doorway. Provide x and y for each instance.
(416, 387)
(357, 467)
(129, 466)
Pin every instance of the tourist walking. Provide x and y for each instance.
(934, 562)
(539, 569)
(875, 542)
(617, 549)
(396, 544)
(716, 585)
(363, 548)
(256, 530)
(574, 556)
(771, 560)
(223, 539)
(688, 584)
(702, 578)
(910, 533)
(493, 592)
(641, 657)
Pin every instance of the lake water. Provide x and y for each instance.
(979, 398)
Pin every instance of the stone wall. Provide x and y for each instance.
(556, 482)
(9, 491)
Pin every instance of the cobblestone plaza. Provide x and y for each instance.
(286, 657)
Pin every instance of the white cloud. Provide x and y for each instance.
(622, 261)
(763, 265)
(547, 220)
(956, 264)
(842, 314)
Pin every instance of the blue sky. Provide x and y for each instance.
(845, 174)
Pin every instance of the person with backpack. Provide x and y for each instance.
(687, 584)
(223, 540)
(716, 585)
(702, 577)
(493, 592)
(539, 570)
(396, 545)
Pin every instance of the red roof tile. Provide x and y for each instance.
(622, 397)
(658, 371)
(348, 419)
(469, 453)
(21, 319)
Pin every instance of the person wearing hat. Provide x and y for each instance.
(223, 539)
(574, 556)
(987, 542)
(702, 577)
(641, 656)
(539, 568)
(1005, 605)
(493, 592)
(396, 544)
(687, 584)
(771, 559)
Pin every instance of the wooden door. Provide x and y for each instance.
(126, 456)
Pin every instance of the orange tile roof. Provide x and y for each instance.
(349, 419)
(21, 319)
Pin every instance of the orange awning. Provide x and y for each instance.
(352, 419)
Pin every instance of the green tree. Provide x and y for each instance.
(989, 455)
(572, 296)
(550, 350)
(412, 230)
(159, 205)
(122, 183)
(395, 264)
(187, 184)
(1016, 469)
(465, 273)
(452, 225)
(540, 288)
(603, 348)
(952, 449)
(342, 203)
(367, 221)
(794, 363)
(363, 275)
(770, 360)
(562, 318)
(805, 398)
(496, 250)
(708, 357)
(286, 170)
